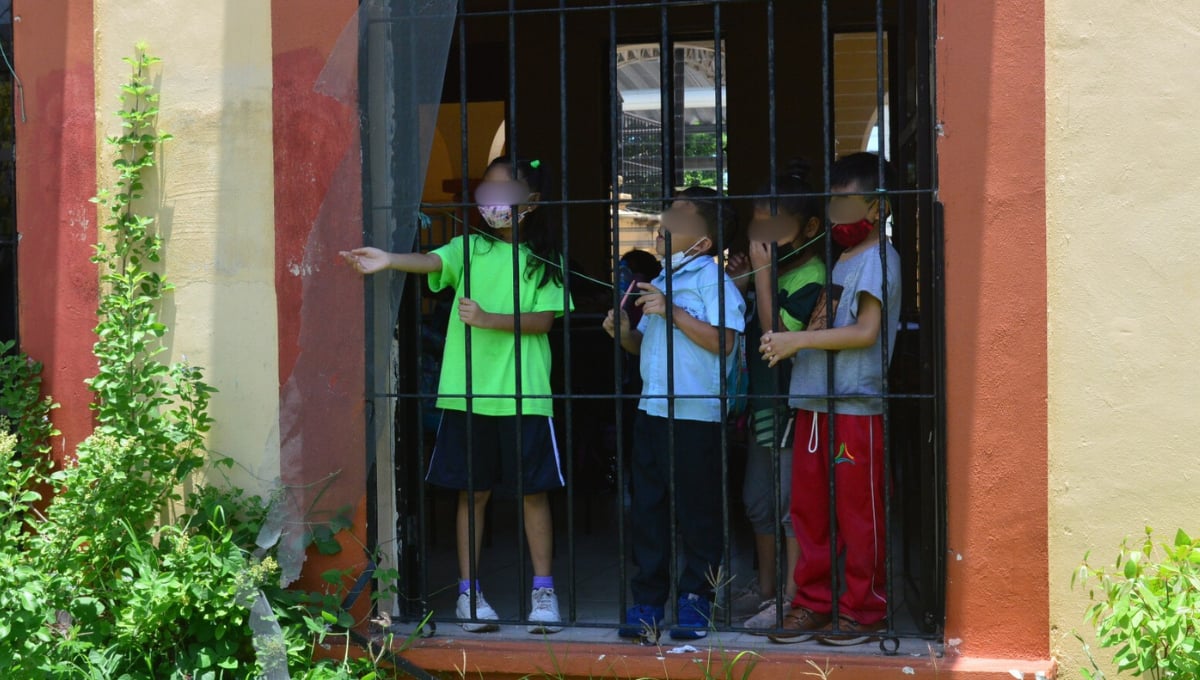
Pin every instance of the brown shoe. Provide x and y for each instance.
(800, 625)
(853, 633)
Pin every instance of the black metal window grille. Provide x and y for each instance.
(540, 58)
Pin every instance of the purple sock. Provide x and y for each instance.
(465, 584)
(543, 582)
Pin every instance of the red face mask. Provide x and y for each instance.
(850, 235)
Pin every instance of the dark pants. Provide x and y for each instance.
(697, 507)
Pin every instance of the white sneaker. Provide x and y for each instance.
(544, 612)
(484, 614)
(746, 602)
(765, 619)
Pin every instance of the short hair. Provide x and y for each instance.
(860, 172)
(718, 219)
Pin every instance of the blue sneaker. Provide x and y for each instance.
(642, 620)
(692, 617)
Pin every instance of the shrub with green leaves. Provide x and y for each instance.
(21, 403)
(101, 586)
(25, 438)
(1147, 608)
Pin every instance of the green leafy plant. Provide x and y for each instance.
(1147, 608)
(25, 439)
(22, 403)
(122, 577)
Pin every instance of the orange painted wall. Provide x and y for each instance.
(991, 102)
(56, 175)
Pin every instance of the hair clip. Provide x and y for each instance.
(534, 163)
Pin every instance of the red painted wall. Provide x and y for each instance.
(991, 101)
(56, 175)
(318, 211)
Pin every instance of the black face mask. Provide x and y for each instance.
(786, 250)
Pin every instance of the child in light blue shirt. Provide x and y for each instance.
(702, 329)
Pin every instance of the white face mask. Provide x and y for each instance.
(679, 259)
(500, 216)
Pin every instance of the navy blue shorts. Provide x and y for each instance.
(494, 459)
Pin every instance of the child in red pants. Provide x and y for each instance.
(864, 278)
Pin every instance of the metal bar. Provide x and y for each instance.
(884, 331)
(827, 129)
(937, 245)
(566, 273)
(472, 557)
(608, 626)
(413, 289)
(939, 404)
(772, 159)
(776, 434)
(797, 395)
(618, 352)
(516, 264)
(422, 542)
(665, 197)
(666, 84)
(726, 581)
(613, 6)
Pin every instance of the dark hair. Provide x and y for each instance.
(543, 240)
(717, 218)
(802, 208)
(642, 262)
(859, 172)
(795, 181)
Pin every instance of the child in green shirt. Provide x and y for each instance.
(784, 305)
(500, 301)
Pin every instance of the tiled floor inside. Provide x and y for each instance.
(589, 596)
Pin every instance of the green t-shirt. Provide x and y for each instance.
(493, 352)
(798, 293)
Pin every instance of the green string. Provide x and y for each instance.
(606, 284)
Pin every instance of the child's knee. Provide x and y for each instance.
(481, 497)
(536, 500)
(760, 512)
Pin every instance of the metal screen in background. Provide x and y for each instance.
(912, 390)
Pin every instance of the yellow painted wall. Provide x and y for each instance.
(1123, 258)
(216, 201)
(445, 162)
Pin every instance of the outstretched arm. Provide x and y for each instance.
(371, 260)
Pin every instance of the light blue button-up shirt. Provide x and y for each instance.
(696, 287)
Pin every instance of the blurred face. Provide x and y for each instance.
(850, 208)
(779, 228)
(689, 234)
(499, 194)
